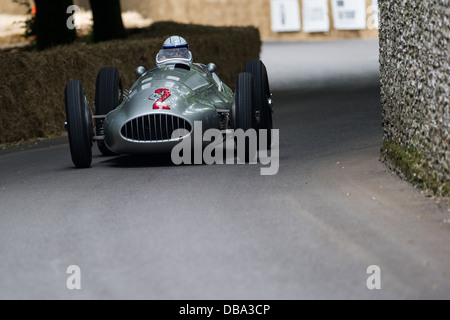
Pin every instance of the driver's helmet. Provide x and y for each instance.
(175, 50)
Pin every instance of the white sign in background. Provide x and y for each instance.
(315, 16)
(285, 15)
(349, 14)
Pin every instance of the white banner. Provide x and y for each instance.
(349, 14)
(285, 15)
(315, 16)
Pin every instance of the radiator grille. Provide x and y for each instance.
(154, 127)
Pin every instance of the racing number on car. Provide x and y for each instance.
(159, 104)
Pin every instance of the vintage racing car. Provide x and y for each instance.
(173, 95)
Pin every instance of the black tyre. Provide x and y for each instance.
(263, 96)
(108, 95)
(244, 113)
(79, 124)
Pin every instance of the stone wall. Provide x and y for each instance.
(415, 78)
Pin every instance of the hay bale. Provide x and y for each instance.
(32, 84)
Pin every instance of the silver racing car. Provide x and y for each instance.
(173, 95)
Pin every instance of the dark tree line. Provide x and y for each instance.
(51, 21)
(108, 22)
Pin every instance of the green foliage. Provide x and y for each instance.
(89, 38)
(30, 23)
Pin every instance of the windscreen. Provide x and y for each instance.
(174, 53)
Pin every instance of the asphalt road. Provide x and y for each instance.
(142, 228)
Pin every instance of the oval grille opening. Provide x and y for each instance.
(154, 127)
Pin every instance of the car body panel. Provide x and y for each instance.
(162, 100)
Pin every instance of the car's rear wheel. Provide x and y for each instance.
(108, 95)
(263, 97)
(79, 124)
(244, 113)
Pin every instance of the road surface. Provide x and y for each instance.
(142, 228)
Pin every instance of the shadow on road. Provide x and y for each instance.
(140, 161)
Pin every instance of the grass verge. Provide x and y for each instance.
(410, 164)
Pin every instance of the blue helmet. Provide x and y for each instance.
(175, 50)
(175, 42)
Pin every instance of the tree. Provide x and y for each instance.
(108, 22)
(51, 23)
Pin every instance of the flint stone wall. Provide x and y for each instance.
(415, 75)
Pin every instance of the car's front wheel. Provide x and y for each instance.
(243, 115)
(263, 97)
(108, 95)
(79, 124)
